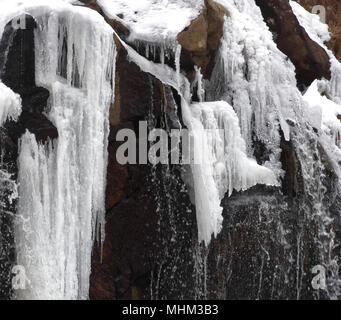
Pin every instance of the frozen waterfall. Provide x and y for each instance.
(62, 183)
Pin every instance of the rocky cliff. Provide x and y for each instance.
(271, 236)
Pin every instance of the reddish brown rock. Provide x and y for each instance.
(311, 60)
(200, 40)
(333, 19)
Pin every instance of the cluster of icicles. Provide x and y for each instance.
(62, 184)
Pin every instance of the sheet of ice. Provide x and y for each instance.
(153, 21)
(62, 184)
(10, 104)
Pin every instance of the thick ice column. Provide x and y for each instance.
(62, 184)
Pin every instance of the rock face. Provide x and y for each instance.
(145, 204)
(200, 40)
(333, 14)
(151, 249)
(311, 61)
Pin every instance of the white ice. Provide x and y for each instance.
(218, 144)
(318, 31)
(10, 104)
(62, 184)
(257, 79)
(221, 165)
(153, 21)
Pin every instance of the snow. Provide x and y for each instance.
(153, 20)
(10, 104)
(62, 183)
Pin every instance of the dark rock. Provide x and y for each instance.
(200, 40)
(311, 60)
(145, 204)
(34, 122)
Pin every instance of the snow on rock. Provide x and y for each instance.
(62, 184)
(10, 104)
(318, 31)
(153, 21)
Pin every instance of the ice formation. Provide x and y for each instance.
(324, 96)
(217, 172)
(260, 85)
(10, 109)
(256, 78)
(10, 104)
(62, 184)
(221, 164)
(251, 99)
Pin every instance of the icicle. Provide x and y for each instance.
(256, 79)
(199, 82)
(162, 55)
(214, 172)
(177, 63)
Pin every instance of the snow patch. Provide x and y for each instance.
(153, 21)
